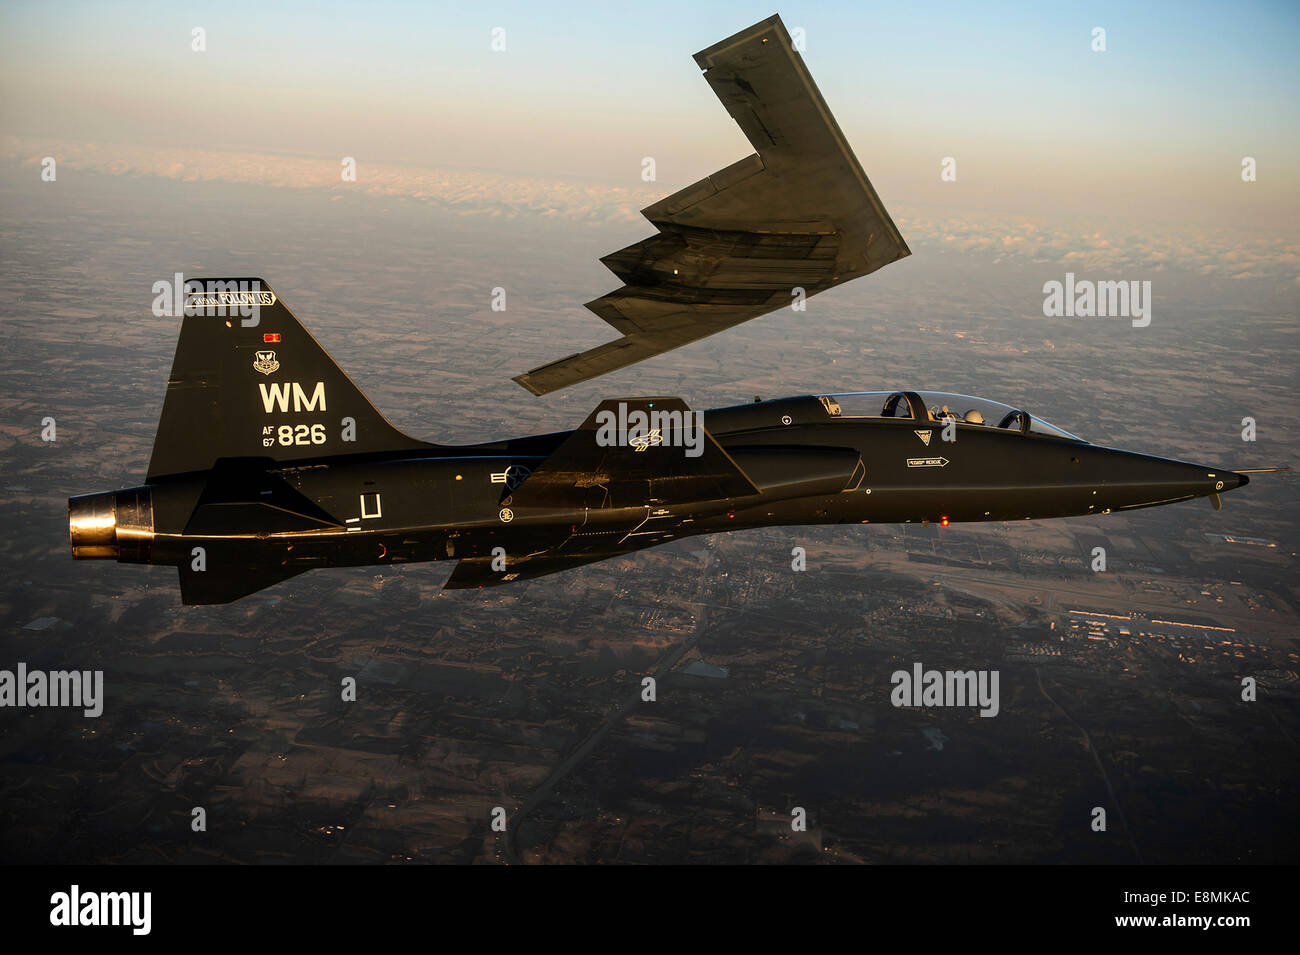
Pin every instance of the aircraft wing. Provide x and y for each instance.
(735, 245)
(607, 463)
(634, 455)
(477, 572)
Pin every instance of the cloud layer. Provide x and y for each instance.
(1079, 245)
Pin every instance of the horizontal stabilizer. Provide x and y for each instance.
(246, 497)
(228, 582)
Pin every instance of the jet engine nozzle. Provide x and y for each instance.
(92, 526)
(117, 525)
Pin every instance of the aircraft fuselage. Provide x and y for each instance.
(807, 466)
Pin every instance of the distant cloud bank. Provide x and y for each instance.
(463, 191)
(1078, 245)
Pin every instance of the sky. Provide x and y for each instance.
(1153, 130)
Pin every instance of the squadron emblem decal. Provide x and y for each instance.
(924, 436)
(640, 442)
(265, 362)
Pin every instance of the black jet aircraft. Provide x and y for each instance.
(269, 462)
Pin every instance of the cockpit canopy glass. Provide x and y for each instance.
(938, 407)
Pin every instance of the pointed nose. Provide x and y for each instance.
(1200, 480)
(1224, 480)
(1129, 480)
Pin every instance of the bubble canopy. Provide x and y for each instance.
(939, 407)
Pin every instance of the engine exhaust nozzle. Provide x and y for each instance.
(117, 525)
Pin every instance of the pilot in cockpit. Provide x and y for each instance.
(946, 414)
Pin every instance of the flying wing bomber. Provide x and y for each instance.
(269, 462)
(798, 214)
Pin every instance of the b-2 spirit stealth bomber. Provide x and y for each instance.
(798, 214)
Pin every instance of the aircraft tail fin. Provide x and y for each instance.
(249, 381)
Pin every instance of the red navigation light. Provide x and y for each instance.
(271, 337)
(943, 522)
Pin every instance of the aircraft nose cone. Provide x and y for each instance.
(1130, 480)
(1199, 479)
(1225, 480)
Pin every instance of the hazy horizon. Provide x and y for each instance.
(1155, 127)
